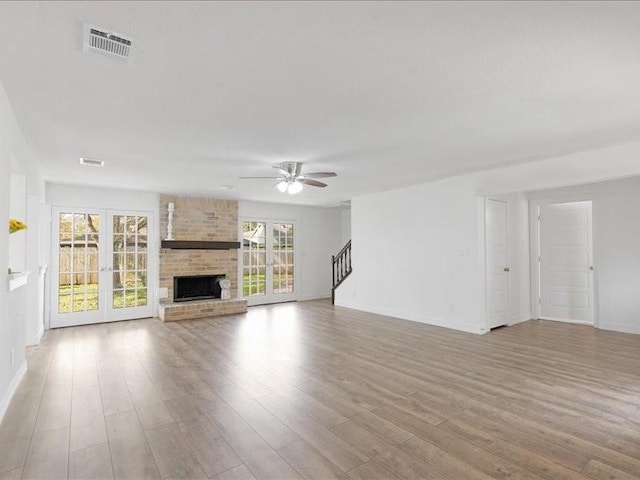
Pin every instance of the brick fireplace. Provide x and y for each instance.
(199, 219)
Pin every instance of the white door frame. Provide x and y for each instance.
(152, 262)
(486, 267)
(534, 241)
(296, 259)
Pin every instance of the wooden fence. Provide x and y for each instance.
(79, 264)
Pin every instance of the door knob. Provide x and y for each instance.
(507, 269)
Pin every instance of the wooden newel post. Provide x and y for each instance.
(333, 281)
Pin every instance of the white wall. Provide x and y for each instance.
(34, 326)
(60, 195)
(616, 219)
(15, 158)
(345, 225)
(410, 245)
(416, 254)
(318, 236)
(582, 168)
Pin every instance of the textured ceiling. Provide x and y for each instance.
(386, 94)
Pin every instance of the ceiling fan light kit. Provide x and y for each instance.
(282, 186)
(292, 179)
(294, 187)
(289, 186)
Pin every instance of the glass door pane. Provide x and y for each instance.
(78, 262)
(254, 258)
(77, 282)
(129, 247)
(282, 258)
(268, 261)
(128, 266)
(100, 269)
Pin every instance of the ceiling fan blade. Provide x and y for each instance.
(253, 178)
(282, 170)
(313, 183)
(320, 174)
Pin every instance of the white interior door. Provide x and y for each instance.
(566, 262)
(99, 266)
(497, 263)
(268, 271)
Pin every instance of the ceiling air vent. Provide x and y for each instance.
(98, 39)
(91, 162)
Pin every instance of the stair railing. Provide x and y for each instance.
(341, 268)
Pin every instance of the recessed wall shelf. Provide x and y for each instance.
(199, 245)
(17, 279)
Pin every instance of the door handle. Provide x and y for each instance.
(591, 268)
(507, 269)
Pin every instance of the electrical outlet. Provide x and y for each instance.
(452, 308)
(12, 357)
(162, 292)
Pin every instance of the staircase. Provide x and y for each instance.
(341, 267)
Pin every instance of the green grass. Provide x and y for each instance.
(257, 283)
(253, 284)
(121, 299)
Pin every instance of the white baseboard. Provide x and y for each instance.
(35, 340)
(564, 320)
(517, 320)
(620, 327)
(435, 321)
(304, 298)
(13, 386)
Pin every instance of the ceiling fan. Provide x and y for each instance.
(291, 177)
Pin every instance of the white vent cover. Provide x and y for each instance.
(91, 162)
(98, 39)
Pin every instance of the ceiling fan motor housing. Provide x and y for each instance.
(292, 168)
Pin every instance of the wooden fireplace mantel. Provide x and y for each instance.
(199, 245)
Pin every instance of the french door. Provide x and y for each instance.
(99, 266)
(268, 269)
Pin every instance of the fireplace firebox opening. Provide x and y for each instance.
(196, 287)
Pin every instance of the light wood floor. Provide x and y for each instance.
(308, 391)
